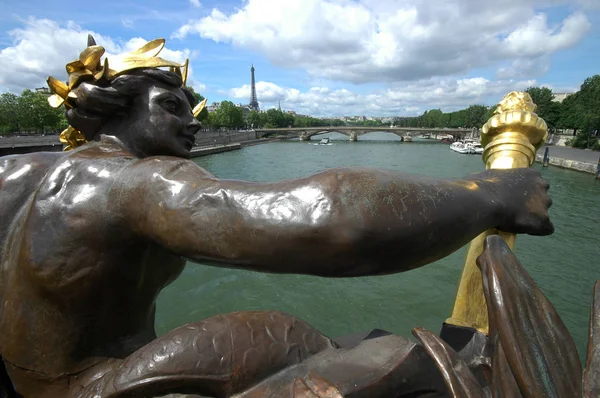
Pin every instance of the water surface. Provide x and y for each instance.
(565, 265)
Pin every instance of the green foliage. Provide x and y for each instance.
(29, 113)
(581, 112)
(308, 121)
(476, 116)
(228, 115)
(489, 113)
(9, 115)
(278, 118)
(547, 109)
(255, 119)
(473, 116)
(586, 138)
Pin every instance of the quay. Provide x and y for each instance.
(20, 145)
(570, 158)
(209, 150)
(27, 144)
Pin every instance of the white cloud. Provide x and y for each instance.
(374, 40)
(196, 85)
(398, 100)
(127, 22)
(195, 3)
(536, 39)
(43, 47)
(522, 68)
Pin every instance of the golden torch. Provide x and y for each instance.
(511, 138)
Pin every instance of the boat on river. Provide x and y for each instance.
(462, 147)
(478, 148)
(467, 147)
(324, 141)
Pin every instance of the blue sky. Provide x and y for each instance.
(323, 57)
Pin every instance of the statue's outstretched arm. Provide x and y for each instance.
(341, 222)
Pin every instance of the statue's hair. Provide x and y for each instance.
(96, 104)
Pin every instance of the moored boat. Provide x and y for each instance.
(324, 141)
(461, 147)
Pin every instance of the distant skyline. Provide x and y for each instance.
(323, 57)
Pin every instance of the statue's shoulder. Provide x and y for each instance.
(27, 167)
(93, 164)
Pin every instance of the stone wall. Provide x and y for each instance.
(206, 138)
(569, 164)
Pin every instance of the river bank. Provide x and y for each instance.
(218, 148)
(570, 158)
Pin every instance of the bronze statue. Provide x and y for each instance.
(90, 236)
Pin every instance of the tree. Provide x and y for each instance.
(255, 119)
(571, 114)
(431, 118)
(211, 121)
(228, 115)
(589, 99)
(30, 113)
(9, 111)
(489, 113)
(275, 118)
(547, 109)
(581, 111)
(475, 115)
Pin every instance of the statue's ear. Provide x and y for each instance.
(91, 41)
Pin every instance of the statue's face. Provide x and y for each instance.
(162, 123)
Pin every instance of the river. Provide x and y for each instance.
(565, 265)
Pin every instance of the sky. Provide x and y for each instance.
(322, 57)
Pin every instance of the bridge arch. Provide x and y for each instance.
(304, 133)
(305, 136)
(352, 134)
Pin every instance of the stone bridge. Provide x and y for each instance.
(304, 133)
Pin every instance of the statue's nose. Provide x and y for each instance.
(194, 126)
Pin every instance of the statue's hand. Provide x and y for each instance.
(314, 386)
(523, 196)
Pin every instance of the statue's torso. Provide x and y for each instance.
(76, 284)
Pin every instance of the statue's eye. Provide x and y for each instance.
(170, 104)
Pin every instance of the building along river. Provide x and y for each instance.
(565, 265)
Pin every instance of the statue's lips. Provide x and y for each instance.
(191, 139)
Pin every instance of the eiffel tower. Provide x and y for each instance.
(253, 100)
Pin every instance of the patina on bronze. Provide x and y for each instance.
(90, 236)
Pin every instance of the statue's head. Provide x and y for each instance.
(148, 108)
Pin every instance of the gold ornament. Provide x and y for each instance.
(511, 138)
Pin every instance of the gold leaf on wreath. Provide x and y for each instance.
(72, 138)
(198, 108)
